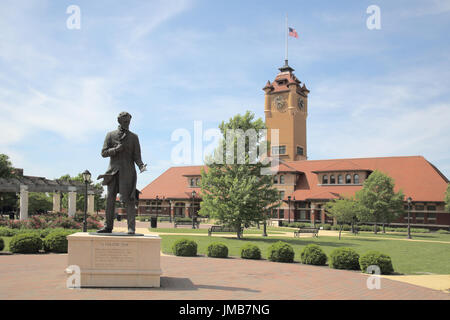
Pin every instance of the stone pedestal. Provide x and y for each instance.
(115, 261)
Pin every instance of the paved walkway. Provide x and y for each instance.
(42, 276)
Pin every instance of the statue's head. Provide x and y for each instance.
(124, 119)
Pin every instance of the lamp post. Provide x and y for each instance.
(289, 210)
(265, 224)
(192, 215)
(87, 178)
(409, 218)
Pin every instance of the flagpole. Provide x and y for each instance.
(286, 38)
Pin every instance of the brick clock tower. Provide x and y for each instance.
(286, 109)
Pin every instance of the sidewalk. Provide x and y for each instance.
(42, 276)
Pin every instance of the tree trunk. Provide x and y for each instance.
(384, 228)
(340, 230)
(376, 228)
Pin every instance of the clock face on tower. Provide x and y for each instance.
(301, 104)
(280, 104)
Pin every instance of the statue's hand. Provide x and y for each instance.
(119, 147)
(143, 168)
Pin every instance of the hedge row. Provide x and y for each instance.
(33, 242)
(313, 254)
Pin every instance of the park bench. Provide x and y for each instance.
(314, 231)
(355, 230)
(222, 229)
(186, 223)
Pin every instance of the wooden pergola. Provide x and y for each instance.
(24, 184)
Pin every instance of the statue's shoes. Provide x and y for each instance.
(130, 231)
(104, 230)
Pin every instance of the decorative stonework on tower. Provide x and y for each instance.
(286, 109)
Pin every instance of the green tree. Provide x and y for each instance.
(237, 193)
(382, 204)
(8, 200)
(99, 202)
(344, 210)
(39, 202)
(447, 198)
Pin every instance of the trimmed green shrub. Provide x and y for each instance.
(443, 231)
(281, 252)
(7, 232)
(217, 250)
(344, 258)
(250, 251)
(313, 254)
(56, 241)
(2, 244)
(376, 258)
(25, 243)
(185, 248)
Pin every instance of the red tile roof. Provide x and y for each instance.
(417, 177)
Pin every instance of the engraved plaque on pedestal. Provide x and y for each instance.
(107, 261)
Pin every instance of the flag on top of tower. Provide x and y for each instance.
(293, 33)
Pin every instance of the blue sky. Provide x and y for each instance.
(373, 92)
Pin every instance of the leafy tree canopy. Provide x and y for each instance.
(237, 193)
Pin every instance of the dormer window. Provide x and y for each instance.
(281, 179)
(356, 179)
(194, 182)
(275, 179)
(340, 180)
(325, 179)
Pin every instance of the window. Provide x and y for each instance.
(192, 182)
(419, 207)
(275, 179)
(281, 212)
(431, 217)
(279, 150)
(340, 181)
(281, 195)
(147, 203)
(197, 181)
(325, 179)
(303, 215)
(431, 208)
(356, 179)
(300, 151)
(332, 179)
(281, 179)
(348, 179)
(420, 217)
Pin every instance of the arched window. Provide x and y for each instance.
(332, 179)
(275, 179)
(281, 179)
(356, 179)
(197, 182)
(325, 179)
(340, 181)
(348, 179)
(192, 182)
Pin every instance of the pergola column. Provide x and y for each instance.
(56, 202)
(91, 202)
(72, 201)
(23, 202)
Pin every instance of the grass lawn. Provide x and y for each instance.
(205, 231)
(432, 236)
(407, 257)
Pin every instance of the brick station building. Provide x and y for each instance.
(306, 185)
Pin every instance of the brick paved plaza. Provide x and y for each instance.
(41, 276)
